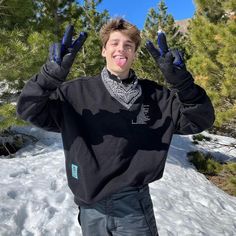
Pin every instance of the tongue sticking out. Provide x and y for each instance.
(120, 61)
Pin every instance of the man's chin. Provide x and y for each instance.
(122, 68)
(119, 71)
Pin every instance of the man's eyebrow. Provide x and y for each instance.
(128, 41)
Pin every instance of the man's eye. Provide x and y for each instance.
(128, 47)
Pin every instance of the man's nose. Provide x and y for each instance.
(121, 47)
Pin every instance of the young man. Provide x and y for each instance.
(116, 128)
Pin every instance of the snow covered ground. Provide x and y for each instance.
(35, 199)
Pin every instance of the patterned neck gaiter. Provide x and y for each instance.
(124, 93)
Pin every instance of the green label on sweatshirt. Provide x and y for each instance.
(74, 170)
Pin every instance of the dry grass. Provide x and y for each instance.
(223, 175)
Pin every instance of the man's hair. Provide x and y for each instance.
(119, 24)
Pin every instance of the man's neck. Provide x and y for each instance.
(120, 76)
(127, 80)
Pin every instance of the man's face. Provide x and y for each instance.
(119, 52)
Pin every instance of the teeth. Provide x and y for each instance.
(119, 57)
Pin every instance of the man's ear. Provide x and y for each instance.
(135, 55)
(103, 51)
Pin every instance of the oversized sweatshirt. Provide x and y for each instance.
(109, 145)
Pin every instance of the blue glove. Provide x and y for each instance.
(170, 62)
(62, 55)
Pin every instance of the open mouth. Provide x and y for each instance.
(120, 60)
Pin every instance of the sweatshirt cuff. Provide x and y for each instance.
(46, 81)
(191, 94)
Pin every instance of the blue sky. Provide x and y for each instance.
(136, 11)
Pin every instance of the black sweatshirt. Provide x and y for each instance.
(108, 146)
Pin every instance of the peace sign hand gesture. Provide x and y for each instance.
(62, 55)
(170, 62)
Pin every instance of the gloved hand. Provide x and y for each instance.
(171, 63)
(62, 55)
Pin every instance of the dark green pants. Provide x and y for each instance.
(126, 213)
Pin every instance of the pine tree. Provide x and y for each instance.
(160, 20)
(89, 61)
(16, 13)
(212, 40)
(51, 14)
(157, 19)
(211, 9)
(24, 50)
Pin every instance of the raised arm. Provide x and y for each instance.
(192, 109)
(40, 100)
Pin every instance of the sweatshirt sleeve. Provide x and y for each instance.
(40, 102)
(192, 110)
